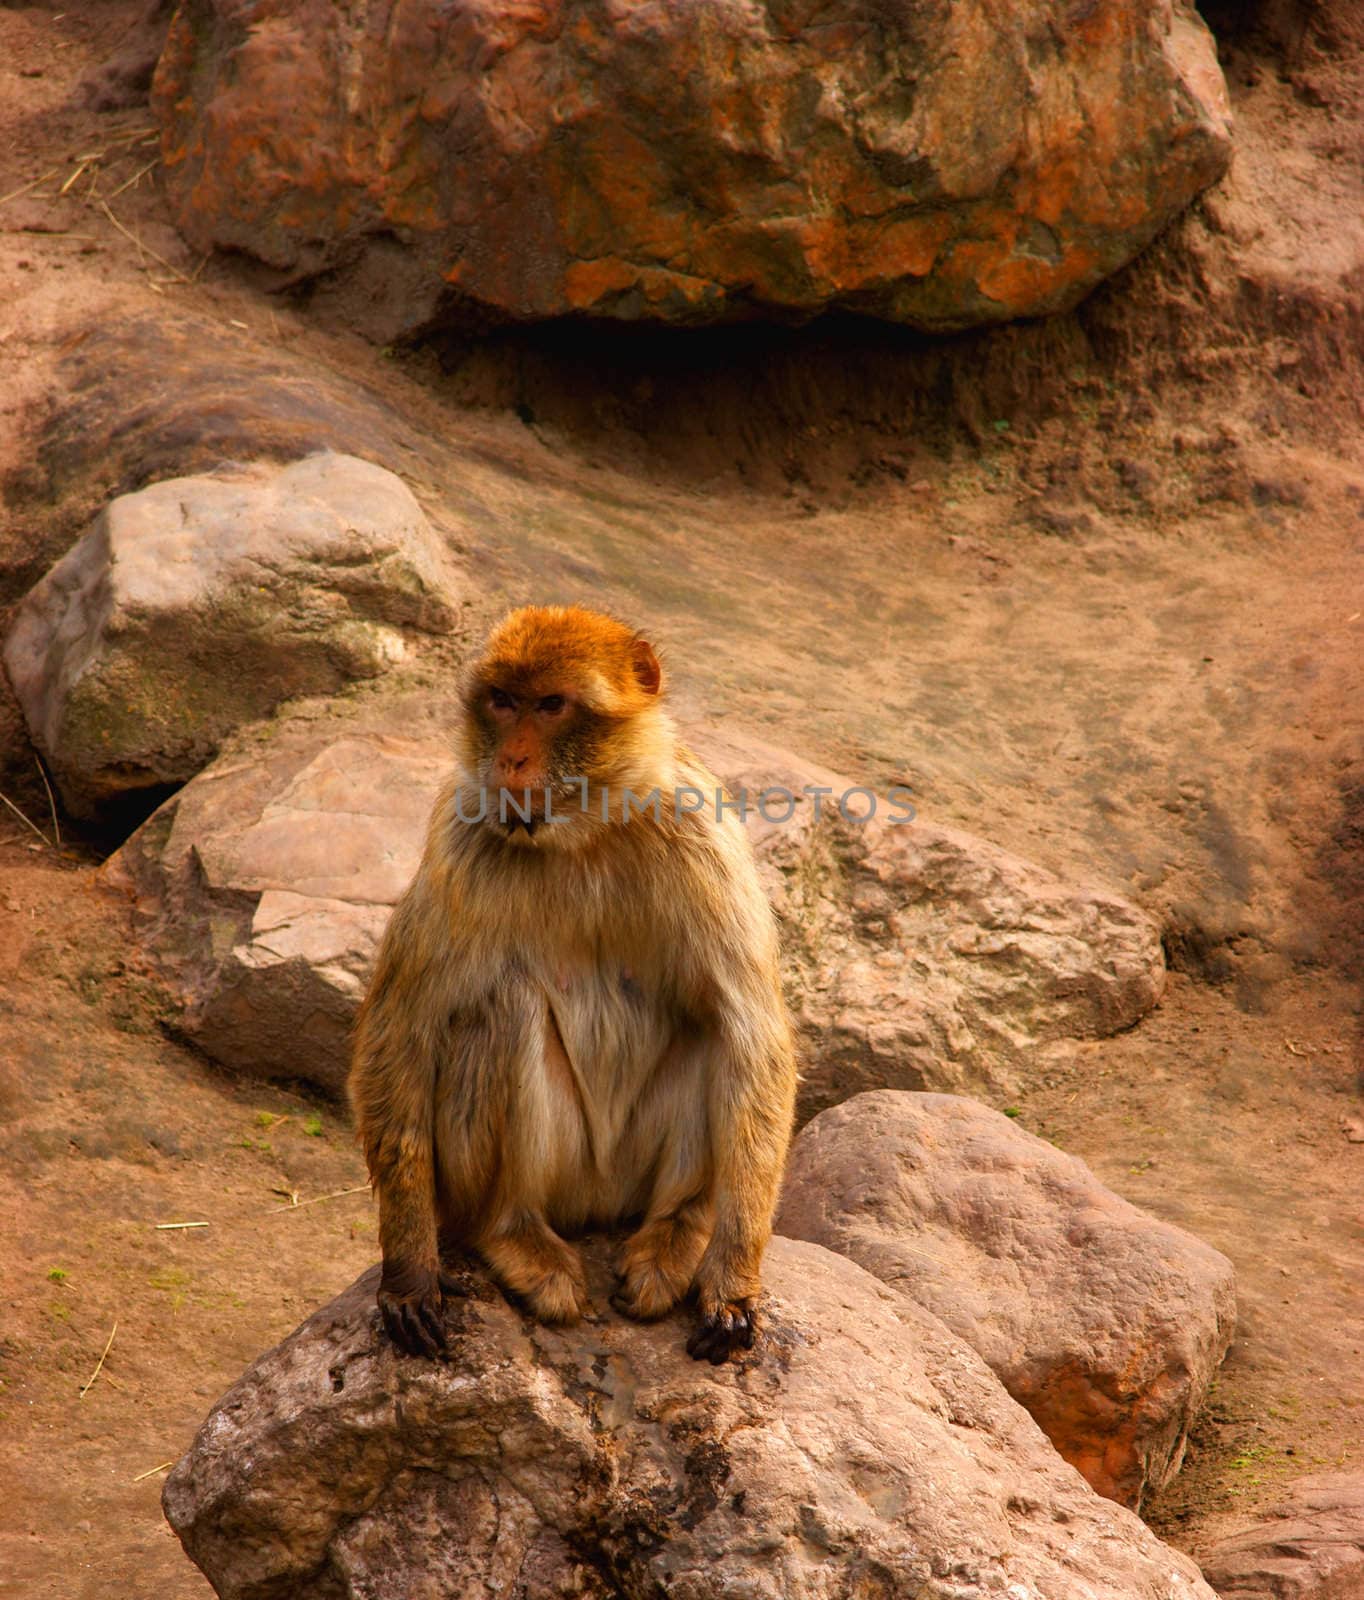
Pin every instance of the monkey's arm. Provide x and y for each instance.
(396, 1059)
(751, 1090)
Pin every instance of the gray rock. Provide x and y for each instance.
(861, 1451)
(199, 604)
(1307, 1546)
(1106, 1323)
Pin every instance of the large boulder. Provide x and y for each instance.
(861, 1450)
(940, 165)
(1107, 1324)
(915, 955)
(199, 604)
(1307, 1545)
(920, 956)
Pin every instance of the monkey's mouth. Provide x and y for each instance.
(525, 816)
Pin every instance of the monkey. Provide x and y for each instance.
(575, 1020)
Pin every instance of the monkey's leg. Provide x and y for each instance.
(658, 1263)
(393, 1092)
(752, 1095)
(411, 1284)
(727, 1298)
(544, 1140)
(538, 1267)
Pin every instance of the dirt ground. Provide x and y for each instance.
(1119, 632)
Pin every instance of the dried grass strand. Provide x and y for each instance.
(33, 826)
(28, 188)
(143, 249)
(81, 165)
(99, 1365)
(51, 802)
(129, 182)
(317, 1200)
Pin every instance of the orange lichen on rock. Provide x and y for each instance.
(593, 286)
(871, 253)
(1019, 280)
(586, 283)
(689, 163)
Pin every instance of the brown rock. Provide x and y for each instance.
(921, 957)
(1107, 1324)
(125, 79)
(862, 1450)
(1309, 1545)
(199, 604)
(684, 163)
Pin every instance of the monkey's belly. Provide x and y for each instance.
(611, 1098)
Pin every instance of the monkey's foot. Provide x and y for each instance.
(646, 1295)
(411, 1300)
(657, 1266)
(726, 1331)
(539, 1268)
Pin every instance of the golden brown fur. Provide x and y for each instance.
(576, 1021)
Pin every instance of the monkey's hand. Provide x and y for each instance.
(410, 1303)
(726, 1330)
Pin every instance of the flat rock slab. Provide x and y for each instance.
(265, 884)
(862, 1450)
(1106, 1323)
(1308, 1546)
(682, 163)
(199, 604)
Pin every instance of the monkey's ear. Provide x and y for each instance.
(648, 673)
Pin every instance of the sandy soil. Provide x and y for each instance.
(1117, 631)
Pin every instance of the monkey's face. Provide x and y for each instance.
(525, 738)
(557, 715)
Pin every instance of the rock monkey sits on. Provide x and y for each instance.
(575, 1018)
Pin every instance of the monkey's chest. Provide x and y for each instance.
(607, 1032)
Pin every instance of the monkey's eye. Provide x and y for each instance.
(552, 704)
(501, 700)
